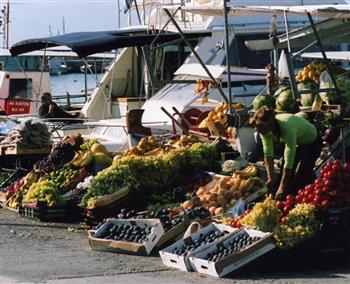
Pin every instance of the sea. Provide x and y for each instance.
(74, 84)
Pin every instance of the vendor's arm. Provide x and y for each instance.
(267, 142)
(289, 156)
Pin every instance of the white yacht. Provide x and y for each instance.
(145, 74)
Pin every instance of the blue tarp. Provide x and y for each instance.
(87, 43)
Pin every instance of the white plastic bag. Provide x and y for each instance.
(283, 67)
(238, 209)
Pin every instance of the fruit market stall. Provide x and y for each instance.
(28, 141)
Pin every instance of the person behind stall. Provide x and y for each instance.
(302, 147)
(50, 109)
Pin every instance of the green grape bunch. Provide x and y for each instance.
(264, 216)
(46, 191)
(301, 224)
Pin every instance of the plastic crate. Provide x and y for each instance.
(41, 212)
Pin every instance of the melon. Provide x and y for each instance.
(263, 100)
(285, 101)
(308, 98)
(102, 159)
(99, 148)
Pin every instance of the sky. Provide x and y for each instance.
(32, 18)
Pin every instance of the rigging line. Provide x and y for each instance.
(34, 24)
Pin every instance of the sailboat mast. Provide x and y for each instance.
(6, 18)
(63, 26)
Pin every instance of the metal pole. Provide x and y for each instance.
(196, 55)
(319, 43)
(85, 78)
(118, 9)
(293, 83)
(227, 44)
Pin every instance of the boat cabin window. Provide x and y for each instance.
(21, 89)
(240, 55)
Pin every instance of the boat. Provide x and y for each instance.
(137, 79)
(22, 82)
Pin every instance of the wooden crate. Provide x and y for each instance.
(18, 150)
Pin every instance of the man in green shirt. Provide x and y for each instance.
(301, 141)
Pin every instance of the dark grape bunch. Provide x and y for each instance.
(162, 214)
(203, 239)
(197, 212)
(62, 153)
(127, 233)
(236, 245)
(75, 195)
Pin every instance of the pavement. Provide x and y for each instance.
(37, 252)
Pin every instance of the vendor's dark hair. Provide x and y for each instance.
(46, 94)
(263, 115)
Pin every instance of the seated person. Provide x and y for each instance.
(50, 109)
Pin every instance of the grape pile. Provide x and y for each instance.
(127, 233)
(264, 216)
(236, 245)
(76, 194)
(62, 153)
(45, 190)
(301, 224)
(86, 146)
(203, 239)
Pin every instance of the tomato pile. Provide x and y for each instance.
(331, 189)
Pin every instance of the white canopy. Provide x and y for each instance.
(341, 11)
(219, 72)
(333, 55)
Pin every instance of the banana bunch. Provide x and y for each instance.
(311, 72)
(16, 199)
(30, 178)
(250, 185)
(82, 159)
(247, 172)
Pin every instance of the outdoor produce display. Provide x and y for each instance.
(224, 192)
(176, 192)
(154, 173)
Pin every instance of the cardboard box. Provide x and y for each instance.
(182, 262)
(175, 232)
(234, 260)
(145, 248)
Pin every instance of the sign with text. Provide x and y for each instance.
(17, 106)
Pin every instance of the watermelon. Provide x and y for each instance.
(280, 90)
(285, 101)
(263, 100)
(308, 98)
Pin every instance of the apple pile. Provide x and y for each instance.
(331, 189)
(12, 188)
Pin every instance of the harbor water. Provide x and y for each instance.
(74, 84)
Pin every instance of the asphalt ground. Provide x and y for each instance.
(37, 252)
